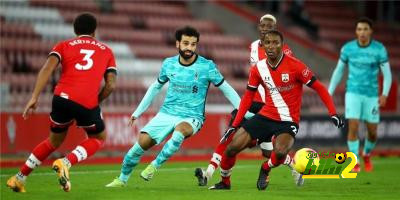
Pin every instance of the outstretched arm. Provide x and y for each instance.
(152, 92)
(232, 96)
(41, 81)
(244, 106)
(336, 76)
(317, 86)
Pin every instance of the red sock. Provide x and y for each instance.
(227, 164)
(273, 162)
(226, 180)
(39, 154)
(87, 148)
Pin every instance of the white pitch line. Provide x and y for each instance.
(115, 171)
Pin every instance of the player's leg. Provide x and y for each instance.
(60, 120)
(91, 121)
(353, 107)
(240, 141)
(153, 133)
(215, 161)
(204, 176)
(184, 128)
(284, 142)
(371, 117)
(132, 158)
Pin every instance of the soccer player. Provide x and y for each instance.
(363, 56)
(257, 52)
(182, 113)
(85, 61)
(282, 78)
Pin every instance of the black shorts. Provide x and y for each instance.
(254, 108)
(64, 112)
(263, 128)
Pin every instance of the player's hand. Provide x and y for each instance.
(30, 107)
(227, 133)
(382, 101)
(337, 121)
(132, 120)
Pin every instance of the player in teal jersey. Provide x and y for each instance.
(182, 113)
(364, 57)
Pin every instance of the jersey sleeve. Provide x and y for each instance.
(343, 55)
(162, 77)
(383, 56)
(254, 79)
(304, 74)
(214, 75)
(57, 50)
(111, 66)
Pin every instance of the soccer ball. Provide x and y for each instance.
(301, 159)
(340, 158)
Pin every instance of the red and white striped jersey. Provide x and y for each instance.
(283, 87)
(257, 53)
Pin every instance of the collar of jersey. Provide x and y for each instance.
(277, 65)
(85, 36)
(187, 65)
(358, 44)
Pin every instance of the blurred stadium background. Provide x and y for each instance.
(141, 34)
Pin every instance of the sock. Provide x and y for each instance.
(39, 154)
(353, 146)
(87, 148)
(226, 176)
(214, 163)
(172, 146)
(273, 161)
(368, 146)
(131, 159)
(227, 164)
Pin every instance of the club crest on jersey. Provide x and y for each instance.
(285, 78)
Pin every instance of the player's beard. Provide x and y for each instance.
(186, 56)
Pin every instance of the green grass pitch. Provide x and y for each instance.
(175, 180)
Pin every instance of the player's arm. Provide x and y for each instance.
(151, 93)
(387, 76)
(318, 87)
(336, 76)
(247, 99)
(148, 98)
(110, 79)
(232, 96)
(41, 81)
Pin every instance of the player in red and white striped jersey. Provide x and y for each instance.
(282, 78)
(85, 63)
(257, 52)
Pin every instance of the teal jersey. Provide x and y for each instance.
(363, 64)
(188, 86)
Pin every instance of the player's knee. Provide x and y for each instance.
(281, 151)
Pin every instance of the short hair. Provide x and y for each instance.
(365, 20)
(85, 24)
(188, 31)
(274, 32)
(268, 16)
